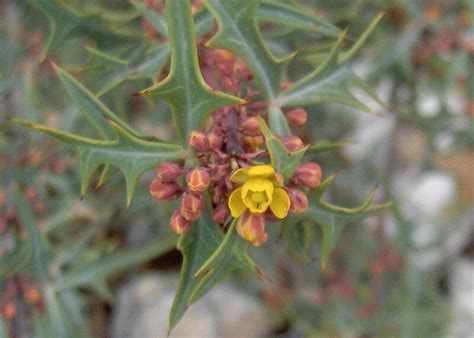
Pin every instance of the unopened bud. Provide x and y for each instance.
(252, 228)
(298, 201)
(297, 117)
(198, 180)
(192, 206)
(220, 213)
(168, 171)
(164, 191)
(252, 142)
(308, 175)
(179, 224)
(286, 84)
(292, 143)
(198, 140)
(33, 295)
(251, 126)
(9, 310)
(215, 140)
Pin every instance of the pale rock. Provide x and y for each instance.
(429, 202)
(143, 307)
(462, 298)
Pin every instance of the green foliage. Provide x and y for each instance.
(282, 160)
(131, 46)
(190, 98)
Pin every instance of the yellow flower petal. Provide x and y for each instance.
(261, 171)
(240, 176)
(257, 185)
(280, 203)
(236, 205)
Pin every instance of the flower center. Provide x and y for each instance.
(258, 196)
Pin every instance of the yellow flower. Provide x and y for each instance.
(262, 188)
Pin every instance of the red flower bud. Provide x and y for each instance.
(252, 142)
(308, 175)
(286, 84)
(292, 143)
(220, 213)
(215, 140)
(297, 117)
(9, 310)
(251, 126)
(179, 224)
(252, 228)
(198, 180)
(168, 172)
(164, 191)
(198, 140)
(191, 206)
(299, 201)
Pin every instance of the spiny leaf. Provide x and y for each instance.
(128, 153)
(323, 146)
(347, 55)
(94, 275)
(282, 160)
(196, 247)
(230, 255)
(156, 58)
(158, 22)
(17, 259)
(190, 98)
(64, 22)
(297, 235)
(332, 218)
(239, 33)
(107, 59)
(296, 17)
(330, 82)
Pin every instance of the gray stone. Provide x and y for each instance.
(143, 307)
(462, 298)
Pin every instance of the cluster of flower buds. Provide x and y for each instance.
(166, 187)
(19, 291)
(233, 139)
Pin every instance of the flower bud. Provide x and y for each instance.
(308, 175)
(297, 117)
(168, 171)
(179, 224)
(220, 213)
(191, 206)
(33, 295)
(198, 140)
(251, 126)
(252, 228)
(298, 201)
(9, 310)
(252, 142)
(198, 180)
(292, 143)
(215, 140)
(286, 84)
(164, 191)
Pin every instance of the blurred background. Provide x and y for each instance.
(90, 267)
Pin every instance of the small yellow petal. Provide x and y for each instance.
(261, 171)
(236, 205)
(240, 176)
(280, 203)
